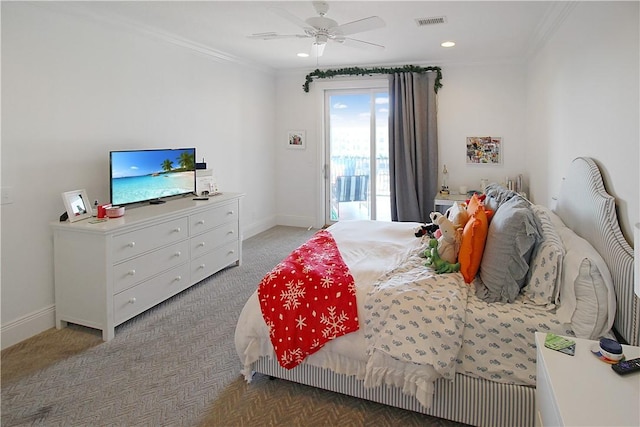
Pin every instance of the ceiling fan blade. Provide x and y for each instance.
(359, 26)
(317, 49)
(359, 43)
(292, 18)
(273, 36)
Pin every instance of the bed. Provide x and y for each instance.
(463, 351)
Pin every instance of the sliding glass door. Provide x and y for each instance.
(357, 154)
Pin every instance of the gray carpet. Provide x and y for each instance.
(175, 365)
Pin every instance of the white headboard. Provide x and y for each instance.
(585, 206)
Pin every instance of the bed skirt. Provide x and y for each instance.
(466, 400)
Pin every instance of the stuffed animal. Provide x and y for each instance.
(426, 230)
(457, 214)
(438, 264)
(450, 240)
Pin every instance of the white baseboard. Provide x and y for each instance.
(258, 227)
(296, 221)
(27, 326)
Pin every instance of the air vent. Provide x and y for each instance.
(431, 21)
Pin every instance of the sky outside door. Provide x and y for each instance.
(357, 129)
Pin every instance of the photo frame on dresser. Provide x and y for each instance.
(77, 204)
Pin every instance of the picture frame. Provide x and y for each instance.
(77, 204)
(484, 150)
(296, 140)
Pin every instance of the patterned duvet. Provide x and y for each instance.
(430, 326)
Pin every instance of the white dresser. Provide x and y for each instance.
(581, 390)
(108, 272)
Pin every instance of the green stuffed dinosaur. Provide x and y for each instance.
(438, 264)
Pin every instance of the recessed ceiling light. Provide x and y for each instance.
(303, 55)
(448, 44)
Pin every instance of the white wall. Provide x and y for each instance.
(72, 90)
(583, 100)
(297, 171)
(476, 100)
(481, 100)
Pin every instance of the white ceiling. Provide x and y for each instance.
(484, 31)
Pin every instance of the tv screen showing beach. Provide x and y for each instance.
(142, 175)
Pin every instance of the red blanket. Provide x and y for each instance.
(308, 299)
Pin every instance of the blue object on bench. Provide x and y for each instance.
(353, 188)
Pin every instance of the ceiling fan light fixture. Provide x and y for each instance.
(323, 30)
(448, 44)
(321, 39)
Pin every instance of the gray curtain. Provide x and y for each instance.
(413, 145)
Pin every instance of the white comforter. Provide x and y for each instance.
(370, 249)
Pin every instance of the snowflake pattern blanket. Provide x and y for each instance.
(308, 299)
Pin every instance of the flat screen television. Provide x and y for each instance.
(151, 175)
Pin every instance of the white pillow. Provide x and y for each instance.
(545, 268)
(587, 298)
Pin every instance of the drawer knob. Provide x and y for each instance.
(201, 222)
(230, 232)
(232, 251)
(201, 266)
(131, 244)
(178, 254)
(132, 300)
(201, 244)
(177, 229)
(230, 213)
(131, 273)
(178, 278)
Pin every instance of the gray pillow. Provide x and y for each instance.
(512, 236)
(497, 195)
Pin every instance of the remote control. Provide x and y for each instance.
(627, 366)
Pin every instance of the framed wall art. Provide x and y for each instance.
(296, 139)
(77, 204)
(485, 150)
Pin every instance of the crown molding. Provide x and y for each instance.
(80, 9)
(552, 20)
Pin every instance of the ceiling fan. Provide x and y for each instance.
(322, 29)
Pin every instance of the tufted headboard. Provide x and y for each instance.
(585, 206)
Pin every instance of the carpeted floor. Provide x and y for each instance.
(176, 365)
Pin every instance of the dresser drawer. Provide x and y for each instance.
(210, 240)
(145, 239)
(214, 261)
(128, 273)
(133, 301)
(207, 220)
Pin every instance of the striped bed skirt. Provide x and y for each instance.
(466, 400)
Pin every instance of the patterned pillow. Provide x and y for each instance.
(545, 269)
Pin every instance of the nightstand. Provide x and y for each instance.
(582, 390)
(448, 200)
